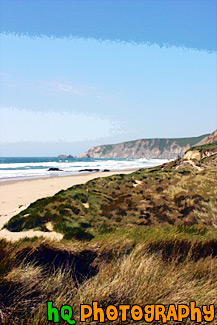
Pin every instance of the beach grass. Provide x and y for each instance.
(149, 237)
(176, 193)
(130, 266)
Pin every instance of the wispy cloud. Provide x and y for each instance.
(62, 87)
(79, 90)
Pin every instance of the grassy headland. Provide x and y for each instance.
(148, 148)
(205, 147)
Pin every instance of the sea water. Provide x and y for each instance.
(13, 168)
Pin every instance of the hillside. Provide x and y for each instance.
(144, 238)
(180, 192)
(145, 148)
(201, 151)
(211, 138)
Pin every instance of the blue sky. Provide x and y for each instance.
(81, 73)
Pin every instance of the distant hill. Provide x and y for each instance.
(145, 148)
(205, 148)
(211, 138)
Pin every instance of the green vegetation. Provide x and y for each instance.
(141, 265)
(191, 141)
(170, 194)
(143, 238)
(107, 148)
(204, 147)
(155, 142)
(129, 144)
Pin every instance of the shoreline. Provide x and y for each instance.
(16, 196)
(26, 179)
(27, 169)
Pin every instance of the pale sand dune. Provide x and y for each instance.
(13, 236)
(17, 195)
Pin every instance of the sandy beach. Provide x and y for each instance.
(17, 195)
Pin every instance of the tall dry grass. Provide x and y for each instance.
(138, 276)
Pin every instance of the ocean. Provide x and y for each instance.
(14, 168)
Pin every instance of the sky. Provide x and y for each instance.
(75, 74)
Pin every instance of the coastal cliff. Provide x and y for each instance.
(205, 148)
(200, 152)
(145, 148)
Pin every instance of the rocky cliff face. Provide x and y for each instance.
(204, 148)
(201, 152)
(144, 148)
